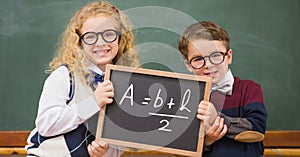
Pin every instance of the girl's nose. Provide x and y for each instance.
(100, 41)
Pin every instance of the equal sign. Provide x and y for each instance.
(146, 102)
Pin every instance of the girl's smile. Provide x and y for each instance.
(101, 52)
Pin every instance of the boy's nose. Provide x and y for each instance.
(207, 62)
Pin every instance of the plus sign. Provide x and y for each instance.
(170, 104)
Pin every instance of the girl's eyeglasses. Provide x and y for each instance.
(108, 36)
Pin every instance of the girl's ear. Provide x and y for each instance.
(188, 66)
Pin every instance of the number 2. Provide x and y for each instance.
(164, 128)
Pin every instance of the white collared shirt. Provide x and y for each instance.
(225, 85)
(55, 116)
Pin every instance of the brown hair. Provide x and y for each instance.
(202, 30)
(69, 49)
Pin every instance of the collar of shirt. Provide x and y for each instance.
(95, 69)
(225, 85)
(94, 82)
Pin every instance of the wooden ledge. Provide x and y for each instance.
(277, 143)
(13, 138)
(12, 150)
(282, 139)
(288, 152)
(269, 152)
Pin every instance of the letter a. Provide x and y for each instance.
(128, 97)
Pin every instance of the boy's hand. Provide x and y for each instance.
(214, 132)
(104, 93)
(213, 124)
(207, 111)
(97, 148)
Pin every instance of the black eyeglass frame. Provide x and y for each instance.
(209, 57)
(97, 34)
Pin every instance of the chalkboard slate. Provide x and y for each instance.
(154, 110)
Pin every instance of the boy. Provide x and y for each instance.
(235, 118)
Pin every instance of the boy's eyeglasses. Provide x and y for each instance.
(108, 36)
(215, 58)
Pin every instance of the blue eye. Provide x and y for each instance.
(198, 59)
(90, 36)
(215, 55)
(109, 34)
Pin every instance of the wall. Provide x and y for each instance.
(265, 42)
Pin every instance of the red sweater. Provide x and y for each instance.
(243, 110)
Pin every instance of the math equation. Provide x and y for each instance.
(157, 99)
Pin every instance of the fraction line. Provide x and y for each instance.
(168, 115)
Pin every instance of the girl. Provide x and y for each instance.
(98, 34)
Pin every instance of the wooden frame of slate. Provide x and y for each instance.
(154, 110)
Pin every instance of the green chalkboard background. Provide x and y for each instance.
(265, 41)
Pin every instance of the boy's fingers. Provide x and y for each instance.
(204, 104)
(201, 117)
(215, 125)
(201, 111)
(221, 125)
(224, 130)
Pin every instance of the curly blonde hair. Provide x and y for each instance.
(69, 49)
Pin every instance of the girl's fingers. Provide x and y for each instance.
(91, 151)
(108, 101)
(107, 88)
(108, 94)
(106, 83)
(103, 144)
(97, 148)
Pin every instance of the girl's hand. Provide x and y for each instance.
(214, 132)
(104, 93)
(97, 148)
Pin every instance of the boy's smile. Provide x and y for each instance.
(203, 48)
(210, 74)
